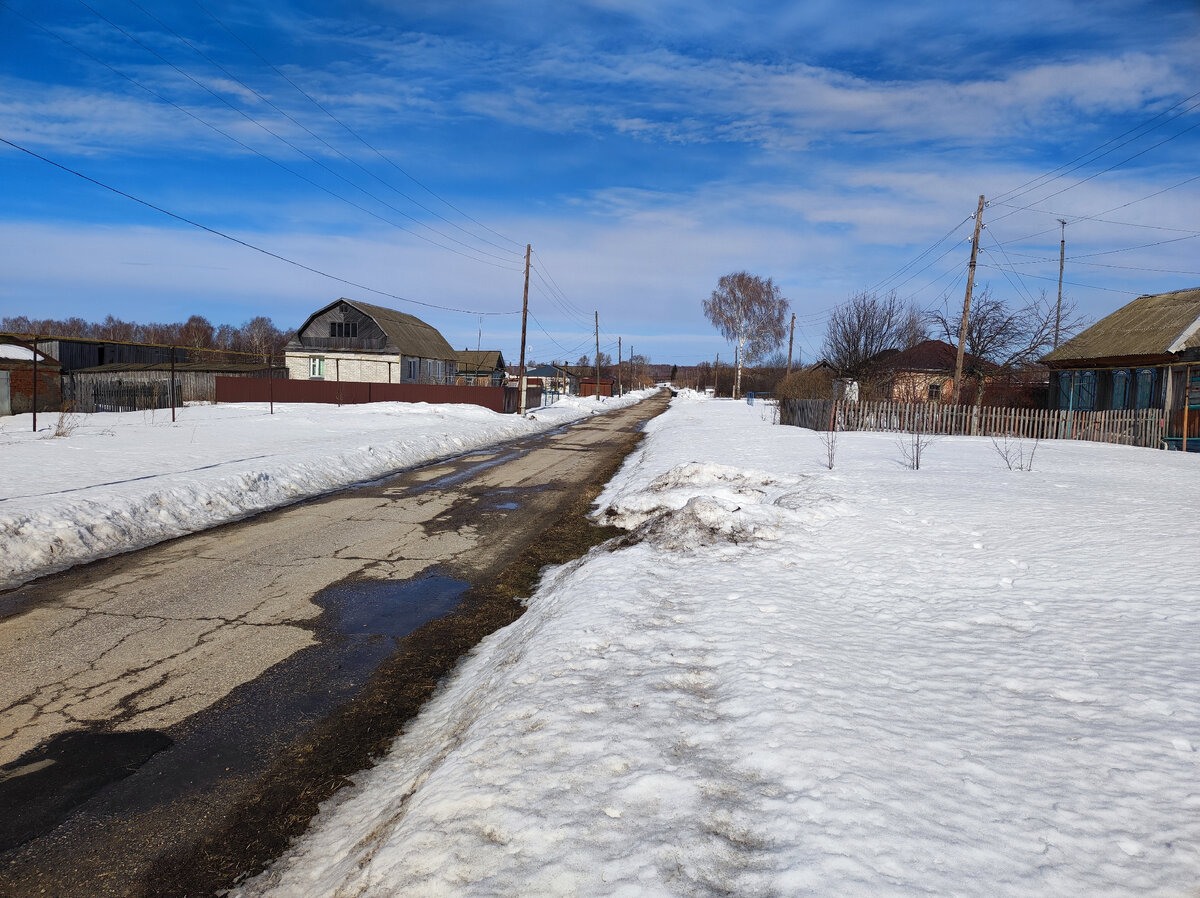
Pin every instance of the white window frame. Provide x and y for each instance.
(316, 367)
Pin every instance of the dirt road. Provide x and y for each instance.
(169, 718)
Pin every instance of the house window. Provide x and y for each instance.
(1085, 390)
(343, 328)
(1120, 390)
(1145, 387)
(413, 369)
(316, 367)
(934, 393)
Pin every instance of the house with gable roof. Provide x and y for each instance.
(1145, 355)
(349, 340)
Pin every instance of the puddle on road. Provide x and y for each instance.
(508, 506)
(390, 608)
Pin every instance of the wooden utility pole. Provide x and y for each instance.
(597, 356)
(620, 360)
(631, 371)
(791, 337)
(1062, 258)
(171, 391)
(962, 328)
(715, 365)
(524, 318)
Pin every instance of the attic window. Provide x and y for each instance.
(343, 328)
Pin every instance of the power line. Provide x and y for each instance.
(235, 140)
(239, 241)
(348, 129)
(318, 137)
(1059, 172)
(301, 151)
(1072, 283)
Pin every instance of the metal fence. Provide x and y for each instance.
(346, 392)
(1134, 427)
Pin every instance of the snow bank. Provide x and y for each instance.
(123, 481)
(962, 680)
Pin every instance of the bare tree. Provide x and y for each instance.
(866, 325)
(749, 312)
(1008, 336)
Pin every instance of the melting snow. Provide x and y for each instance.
(869, 680)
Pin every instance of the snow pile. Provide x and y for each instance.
(970, 681)
(121, 481)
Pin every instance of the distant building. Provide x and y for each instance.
(925, 373)
(355, 341)
(553, 378)
(17, 378)
(481, 367)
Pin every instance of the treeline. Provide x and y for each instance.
(259, 336)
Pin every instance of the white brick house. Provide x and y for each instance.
(355, 341)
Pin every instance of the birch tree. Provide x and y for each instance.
(749, 312)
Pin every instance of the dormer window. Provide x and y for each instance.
(343, 328)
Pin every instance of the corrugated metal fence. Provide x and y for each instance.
(344, 392)
(1140, 427)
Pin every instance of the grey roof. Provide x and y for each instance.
(480, 360)
(1150, 325)
(408, 334)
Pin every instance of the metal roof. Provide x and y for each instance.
(480, 360)
(1150, 325)
(406, 334)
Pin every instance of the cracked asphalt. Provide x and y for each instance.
(145, 694)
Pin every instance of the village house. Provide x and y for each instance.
(349, 340)
(1144, 355)
(553, 379)
(481, 367)
(925, 373)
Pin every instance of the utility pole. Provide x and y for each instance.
(962, 328)
(620, 360)
(524, 317)
(715, 366)
(35, 378)
(791, 337)
(1062, 258)
(597, 356)
(631, 371)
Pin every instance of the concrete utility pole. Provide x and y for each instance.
(524, 317)
(962, 328)
(791, 337)
(1062, 258)
(35, 379)
(597, 356)
(620, 360)
(631, 366)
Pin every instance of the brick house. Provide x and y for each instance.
(349, 340)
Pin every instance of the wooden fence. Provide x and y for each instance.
(1140, 427)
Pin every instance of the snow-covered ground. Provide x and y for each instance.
(115, 482)
(962, 680)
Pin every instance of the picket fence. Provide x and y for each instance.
(1135, 427)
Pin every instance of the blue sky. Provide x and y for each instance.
(643, 148)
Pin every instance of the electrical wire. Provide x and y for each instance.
(303, 153)
(239, 241)
(347, 128)
(318, 137)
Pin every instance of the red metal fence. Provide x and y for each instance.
(344, 392)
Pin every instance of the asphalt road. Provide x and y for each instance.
(149, 700)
